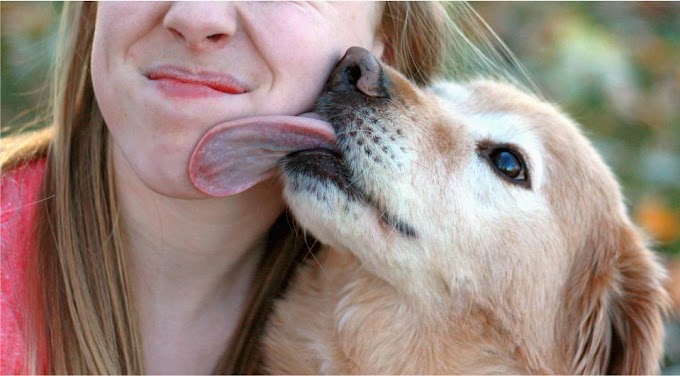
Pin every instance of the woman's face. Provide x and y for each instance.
(165, 73)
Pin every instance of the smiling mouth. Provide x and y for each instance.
(170, 77)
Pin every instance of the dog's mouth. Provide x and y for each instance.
(355, 89)
(309, 170)
(314, 150)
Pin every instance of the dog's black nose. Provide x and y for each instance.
(360, 70)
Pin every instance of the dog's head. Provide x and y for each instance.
(480, 195)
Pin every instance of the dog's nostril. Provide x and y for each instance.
(353, 74)
(359, 70)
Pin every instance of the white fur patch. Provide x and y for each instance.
(450, 91)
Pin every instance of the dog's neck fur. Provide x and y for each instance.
(365, 323)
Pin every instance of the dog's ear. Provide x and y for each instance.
(614, 305)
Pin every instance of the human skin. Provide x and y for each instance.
(193, 256)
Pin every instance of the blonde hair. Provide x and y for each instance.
(79, 298)
(430, 41)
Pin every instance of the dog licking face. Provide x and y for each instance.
(467, 228)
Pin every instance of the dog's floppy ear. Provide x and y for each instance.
(613, 306)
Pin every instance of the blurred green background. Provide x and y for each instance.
(614, 66)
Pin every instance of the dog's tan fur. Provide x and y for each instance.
(498, 278)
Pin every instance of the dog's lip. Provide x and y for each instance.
(322, 164)
(318, 151)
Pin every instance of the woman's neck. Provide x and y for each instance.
(192, 263)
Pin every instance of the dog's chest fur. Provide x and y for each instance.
(338, 318)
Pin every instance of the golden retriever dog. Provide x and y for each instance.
(467, 228)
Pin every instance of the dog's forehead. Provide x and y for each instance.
(450, 91)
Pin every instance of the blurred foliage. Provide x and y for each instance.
(614, 66)
(27, 45)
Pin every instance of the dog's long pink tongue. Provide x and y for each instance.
(236, 155)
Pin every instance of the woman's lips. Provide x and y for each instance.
(178, 82)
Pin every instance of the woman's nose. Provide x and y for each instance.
(201, 25)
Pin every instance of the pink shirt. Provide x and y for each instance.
(19, 190)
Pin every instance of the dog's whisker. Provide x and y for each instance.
(392, 228)
(310, 248)
(424, 167)
(467, 315)
(304, 239)
(323, 270)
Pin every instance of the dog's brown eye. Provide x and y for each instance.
(509, 164)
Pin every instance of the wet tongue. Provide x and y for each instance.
(236, 155)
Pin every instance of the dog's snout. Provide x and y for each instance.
(359, 70)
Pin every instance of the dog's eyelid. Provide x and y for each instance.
(488, 150)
